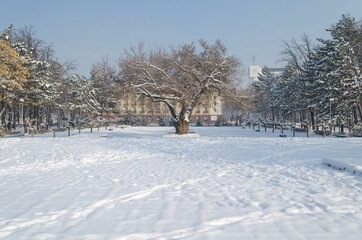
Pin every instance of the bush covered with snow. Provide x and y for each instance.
(357, 130)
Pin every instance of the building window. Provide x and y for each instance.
(206, 110)
(135, 102)
(142, 110)
(206, 118)
(134, 110)
(198, 110)
(126, 102)
(190, 118)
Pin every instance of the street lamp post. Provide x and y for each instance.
(22, 113)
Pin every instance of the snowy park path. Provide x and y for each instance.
(230, 183)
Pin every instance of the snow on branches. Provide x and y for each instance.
(182, 75)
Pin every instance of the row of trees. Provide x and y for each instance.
(320, 83)
(36, 86)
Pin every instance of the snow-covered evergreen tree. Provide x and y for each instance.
(103, 77)
(349, 76)
(337, 88)
(351, 31)
(81, 98)
(265, 91)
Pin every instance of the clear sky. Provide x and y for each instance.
(86, 30)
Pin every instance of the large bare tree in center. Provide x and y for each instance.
(181, 75)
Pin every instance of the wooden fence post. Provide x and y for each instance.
(54, 132)
(68, 131)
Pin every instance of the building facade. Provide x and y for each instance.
(207, 112)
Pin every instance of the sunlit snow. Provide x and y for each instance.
(229, 183)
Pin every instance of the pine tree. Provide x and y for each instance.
(309, 77)
(349, 76)
(264, 89)
(81, 98)
(338, 83)
(351, 31)
(103, 77)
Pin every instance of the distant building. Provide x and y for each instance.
(277, 71)
(208, 111)
(255, 70)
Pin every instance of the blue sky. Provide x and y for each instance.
(86, 30)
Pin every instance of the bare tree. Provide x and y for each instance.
(182, 75)
(296, 53)
(33, 44)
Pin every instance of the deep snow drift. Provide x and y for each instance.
(229, 183)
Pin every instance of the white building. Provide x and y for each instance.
(255, 70)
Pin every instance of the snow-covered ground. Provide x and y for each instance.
(229, 183)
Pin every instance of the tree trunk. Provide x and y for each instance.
(359, 111)
(14, 117)
(182, 127)
(355, 118)
(10, 115)
(311, 110)
(60, 115)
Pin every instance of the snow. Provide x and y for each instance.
(172, 135)
(352, 165)
(229, 183)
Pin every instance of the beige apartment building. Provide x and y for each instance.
(208, 111)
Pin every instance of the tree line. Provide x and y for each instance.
(37, 88)
(320, 84)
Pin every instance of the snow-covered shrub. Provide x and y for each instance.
(357, 130)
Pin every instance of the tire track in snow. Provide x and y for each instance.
(208, 226)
